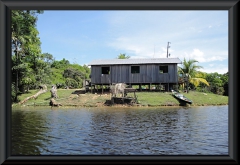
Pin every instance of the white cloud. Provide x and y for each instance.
(135, 46)
(219, 69)
(190, 38)
(209, 56)
(197, 55)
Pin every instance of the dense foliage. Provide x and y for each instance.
(31, 67)
(218, 83)
(193, 79)
(26, 52)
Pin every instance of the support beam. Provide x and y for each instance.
(102, 89)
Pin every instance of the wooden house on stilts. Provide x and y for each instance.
(155, 71)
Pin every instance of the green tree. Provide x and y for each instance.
(24, 43)
(48, 58)
(63, 73)
(123, 56)
(217, 82)
(189, 71)
(74, 74)
(60, 64)
(71, 83)
(225, 83)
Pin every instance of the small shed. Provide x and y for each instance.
(154, 71)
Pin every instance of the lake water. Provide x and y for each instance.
(120, 131)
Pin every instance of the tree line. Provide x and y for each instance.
(30, 67)
(191, 78)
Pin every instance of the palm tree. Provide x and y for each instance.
(123, 56)
(189, 71)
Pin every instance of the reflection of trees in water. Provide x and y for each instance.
(157, 125)
(108, 123)
(28, 129)
(208, 130)
(125, 131)
(137, 131)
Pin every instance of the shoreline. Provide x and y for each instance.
(70, 98)
(118, 105)
(113, 107)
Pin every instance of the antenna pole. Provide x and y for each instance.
(167, 49)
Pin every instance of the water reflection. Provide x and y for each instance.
(121, 131)
(28, 133)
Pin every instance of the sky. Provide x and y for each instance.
(81, 36)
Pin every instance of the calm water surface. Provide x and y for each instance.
(120, 131)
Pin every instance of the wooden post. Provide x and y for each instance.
(85, 85)
(102, 89)
(135, 97)
(112, 100)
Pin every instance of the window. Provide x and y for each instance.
(106, 70)
(163, 69)
(135, 69)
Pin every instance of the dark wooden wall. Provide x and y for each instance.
(149, 73)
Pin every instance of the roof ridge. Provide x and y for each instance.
(135, 61)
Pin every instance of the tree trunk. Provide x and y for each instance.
(54, 103)
(16, 87)
(16, 84)
(54, 92)
(36, 95)
(187, 84)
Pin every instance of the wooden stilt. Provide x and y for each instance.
(102, 89)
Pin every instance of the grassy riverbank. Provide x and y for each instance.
(69, 97)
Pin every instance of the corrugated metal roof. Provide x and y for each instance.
(136, 61)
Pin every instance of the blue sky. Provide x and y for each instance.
(82, 36)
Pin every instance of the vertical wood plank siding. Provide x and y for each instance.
(149, 73)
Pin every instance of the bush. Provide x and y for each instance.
(220, 90)
(202, 89)
(71, 83)
(217, 90)
(225, 86)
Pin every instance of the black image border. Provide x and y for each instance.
(232, 6)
